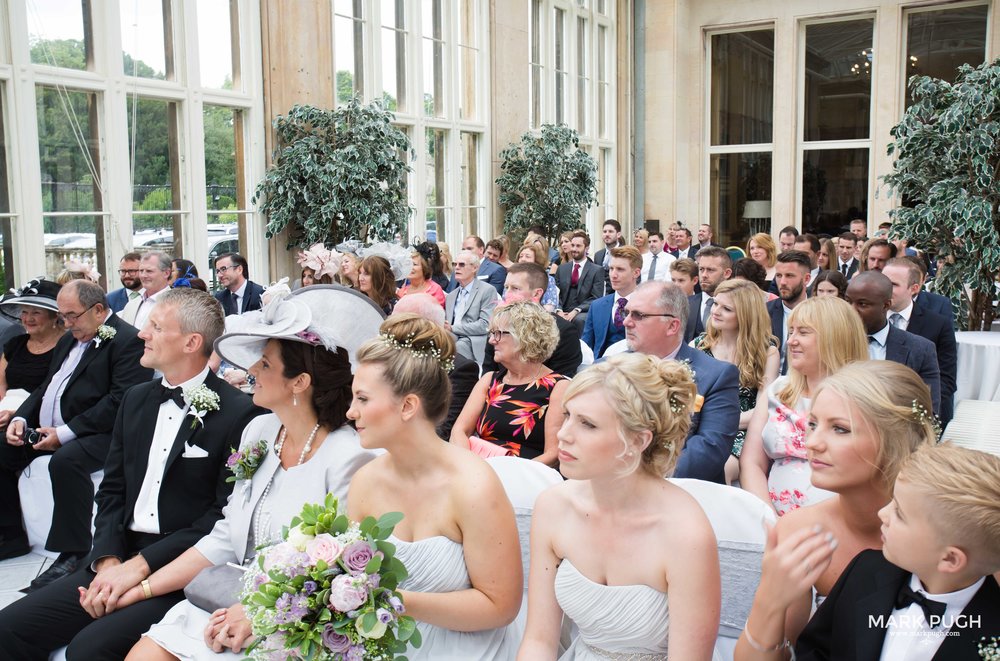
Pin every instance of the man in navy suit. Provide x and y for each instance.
(238, 294)
(128, 273)
(905, 277)
(928, 300)
(714, 266)
(870, 293)
(605, 323)
(489, 271)
(656, 316)
(682, 239)
(792, 277)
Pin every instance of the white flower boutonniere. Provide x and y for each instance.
(200, 401)
(104, 332)
(989, 648)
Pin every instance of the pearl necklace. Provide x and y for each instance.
(262, 520)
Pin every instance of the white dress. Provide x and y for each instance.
(614, 621)
(437, 564)
(329, 470)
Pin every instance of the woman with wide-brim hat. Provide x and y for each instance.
(26, 357)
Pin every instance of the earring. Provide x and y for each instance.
(295, 400)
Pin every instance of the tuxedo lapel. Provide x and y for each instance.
(190, 426)
(985, 605)
(870, 639)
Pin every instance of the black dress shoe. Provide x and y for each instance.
(14, 546)
(64, 565)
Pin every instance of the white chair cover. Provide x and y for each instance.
(974, 426)
(35, 489)
(621, 346)
(737, 518)
(587, 353)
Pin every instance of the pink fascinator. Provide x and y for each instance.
(321, 260)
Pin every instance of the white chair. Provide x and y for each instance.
(35, 490)
(975, 426)
(621, 346)
(737, 518)
(587, 353)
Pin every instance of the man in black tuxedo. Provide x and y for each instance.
(870, 293)
(905, 315)
(238, 294)
(73, 412)
(847, 245)
(580, 281)
(527, 282)
(164, 488)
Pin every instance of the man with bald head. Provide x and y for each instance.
(871, 295)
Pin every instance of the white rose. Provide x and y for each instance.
(298, 538)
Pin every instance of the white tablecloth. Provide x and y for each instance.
(978, 366)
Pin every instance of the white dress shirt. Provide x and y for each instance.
(905, 313)
(146, 304)
(876, 345)
(909, 637)
(146, 515)
(663, 262)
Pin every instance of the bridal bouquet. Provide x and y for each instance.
(328, 591)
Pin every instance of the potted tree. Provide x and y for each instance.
(947, 173)
(337, 174)
(546, 180)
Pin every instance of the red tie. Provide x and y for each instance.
(575, 278)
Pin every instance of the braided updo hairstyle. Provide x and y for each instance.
(331, 376)
(415, 355)
(646, 394)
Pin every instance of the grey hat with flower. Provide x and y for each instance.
(332, 316)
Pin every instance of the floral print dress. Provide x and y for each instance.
(513, 417)
(784, 439)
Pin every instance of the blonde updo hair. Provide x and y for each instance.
(533, 329)
(896, 404)
(646, 394)
(414, 354)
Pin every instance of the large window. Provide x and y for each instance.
(836, 110)
(741, 110)
(423, 59)
(572, 81)
(128, 146)
(941, 39)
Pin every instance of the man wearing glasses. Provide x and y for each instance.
(128, 273)
(238, 294)
(72, 414)
(655, 317)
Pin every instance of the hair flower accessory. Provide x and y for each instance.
(86, 268)
(923, 415)
(201, 401)
(321, 260)
(309, 337)
(30, 288)
(431, 351)
(104, 333)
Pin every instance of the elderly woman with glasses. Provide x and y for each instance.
(519, 406)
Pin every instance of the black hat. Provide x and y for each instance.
(37, 293)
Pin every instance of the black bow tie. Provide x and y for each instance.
(930, 607)
(175, 394)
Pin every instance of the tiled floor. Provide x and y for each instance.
(16, 573)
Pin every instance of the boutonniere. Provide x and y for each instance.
(244, 463)
(201, 400)
(104, 332)
(989, 648)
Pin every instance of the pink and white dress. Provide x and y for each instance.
(784, 439)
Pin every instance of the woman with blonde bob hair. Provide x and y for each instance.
(458, 536)
(824, 334)
(761, 249)
(866, 419)
(519, 406)
(739, 332)
(626, 422)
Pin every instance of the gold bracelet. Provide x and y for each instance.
(784, 644)
(146, 590)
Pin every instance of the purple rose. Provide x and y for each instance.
(234, 459)
(384, 616)
(357, 555)
(335, 642)
(396, 604)
(309, 587)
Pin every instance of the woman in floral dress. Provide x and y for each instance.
(519, 406)
(824, 334)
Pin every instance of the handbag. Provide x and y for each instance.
(215, 587)
(485, 449)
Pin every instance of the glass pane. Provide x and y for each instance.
(469, 177)
(394, 69)
(583, 70)
(143, 37)
(739, 196)
(607, 182)
(433, 78)
(467, 99)
(838, 82)
(223, 174)
(602, 80)
(470, 220)
(431, 22)
(69, 238)
(215, 44)
(938, 42)
(436, 157)
(536, 95)
(536, 31)
(68, 150)
(467, 34)
(7, 254)
(154, 127)
(834, 189)
(348, 47)
(742, 87)
(58, 34)
(560, 65)
(4, 174)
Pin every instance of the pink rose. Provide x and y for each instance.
(346, 594)
(324, 547)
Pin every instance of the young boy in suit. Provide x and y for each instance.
(930, 594)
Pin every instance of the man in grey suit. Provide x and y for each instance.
(468, 308)
(580, 281)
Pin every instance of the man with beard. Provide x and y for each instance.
(128, 272)
(791, 275)
(714, 266)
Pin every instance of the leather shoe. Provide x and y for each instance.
(14, 546)
(64, 565)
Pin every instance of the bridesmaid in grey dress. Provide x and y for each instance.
(303, 375)
(611, 544)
